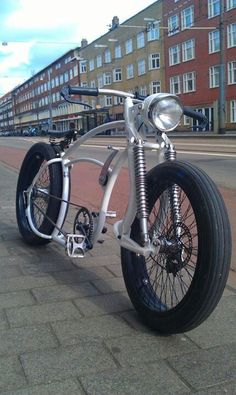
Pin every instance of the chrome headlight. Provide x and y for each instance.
(163, 111)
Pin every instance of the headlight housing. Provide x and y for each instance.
(163, 111)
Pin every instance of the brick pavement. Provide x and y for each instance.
(68, 327)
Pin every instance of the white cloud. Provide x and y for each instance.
(43, 14)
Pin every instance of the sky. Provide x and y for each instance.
(34, 33)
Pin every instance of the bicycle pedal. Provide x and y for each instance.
(75, 245)
(111, 214)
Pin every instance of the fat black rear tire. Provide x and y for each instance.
(51, 180)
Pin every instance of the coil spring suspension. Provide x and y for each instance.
(173, 192)
(141, 189)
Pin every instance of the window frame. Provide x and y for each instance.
(186, 81)
(185, 50)
(214, 75)
(175, 79)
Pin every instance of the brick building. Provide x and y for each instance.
(37, 102)
(193, 55)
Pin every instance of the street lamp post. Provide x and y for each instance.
(50, 100)
(221, 111)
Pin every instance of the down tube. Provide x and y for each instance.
(107, 194)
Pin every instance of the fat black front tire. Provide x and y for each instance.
(172, 297)
(51, 180)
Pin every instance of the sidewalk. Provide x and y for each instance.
(68, 327)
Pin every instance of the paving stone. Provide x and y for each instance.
(152, 379)
(3, 322)
(110, 285)
(115, 269)
(25, 282)
(48, 312)
(104, 304)
(19, 260)
(205, 368)
(80, 275)
(67, 387)
(103, 327)
(11, 374)
(63, 363)
(224, 389)
(96, 261)
(3, 250)
(219, 328)
(19, 340)
(143, 348)
(63, 292)
(14, 299)
(10, 271)
(45, 267)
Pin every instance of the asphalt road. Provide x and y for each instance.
(215, 156)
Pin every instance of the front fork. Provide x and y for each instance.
(141, 192)
(173, 194)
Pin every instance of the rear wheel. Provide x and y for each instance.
(176, 289)
(44, 203)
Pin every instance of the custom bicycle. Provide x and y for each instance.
(175, 236)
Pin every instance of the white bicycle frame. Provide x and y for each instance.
(72, 156)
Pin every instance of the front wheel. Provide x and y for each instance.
(45, 197)
(178, 288)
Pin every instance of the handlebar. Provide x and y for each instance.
(69, 90)
(201, 118)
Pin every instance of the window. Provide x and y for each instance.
(231, 35)
(174, 55)
(108, 101)
(99, 60)
(66, 76)
(141, 67)
(214, 75)
(117, 75)
(214, 41)
(175, 85)
(213, 8)
(155, 87)
(143, 90)
(230, 4)
(107, 56)
(187, 17)
(232, 72)
(93, 84)
(83, 66)
(233, 111)
(129, 71)
(117, 51)
(154, 61)
(173, 25)
(100, 81)
(107, 79)
(118, 100)
(188, 50)
(140, 40)
(91, 65)
(189, 82)
(128, 46)
(153, 31)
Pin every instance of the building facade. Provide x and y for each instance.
(129, 57)
(200, 39)
(6, 113)
(38, 103)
